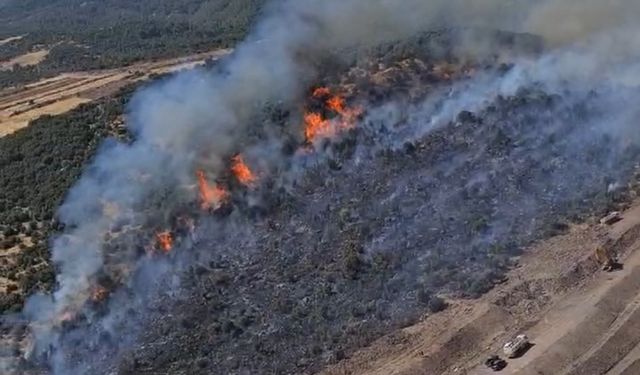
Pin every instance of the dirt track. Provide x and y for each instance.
(581, 320)
(19, 106)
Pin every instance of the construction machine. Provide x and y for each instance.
(517, 346)
(605, 258)
(495, 363)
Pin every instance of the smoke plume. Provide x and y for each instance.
(196, 120)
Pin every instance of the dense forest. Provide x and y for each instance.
(104, 34)
(38, 165)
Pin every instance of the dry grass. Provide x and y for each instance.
(28, 59)
(57, 95)
(9, 124)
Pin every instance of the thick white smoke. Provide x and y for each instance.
(197, 118)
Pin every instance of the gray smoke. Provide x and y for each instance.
(197, 119)
(569, 21)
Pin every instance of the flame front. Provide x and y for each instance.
(165, 241)
(210, 197)
(316, 126)
(336, 104)
(99, 293)
(241, 171)
(320, 92)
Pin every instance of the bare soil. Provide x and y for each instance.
(20, 105)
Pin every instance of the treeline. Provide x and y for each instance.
(38, 165)
(86, 35)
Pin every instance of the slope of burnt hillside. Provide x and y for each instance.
(369, 240)
(266, 217)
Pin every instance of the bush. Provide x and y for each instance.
(424, 296)
(436, 304)
(68, 143)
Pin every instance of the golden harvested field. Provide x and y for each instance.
(20, 105)
(28, 59)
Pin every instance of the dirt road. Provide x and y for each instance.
(581, 320)
(595, 330)
(19, 106)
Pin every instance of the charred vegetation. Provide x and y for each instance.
(275, 223)
(354, 252)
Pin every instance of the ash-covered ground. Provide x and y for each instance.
(361, 250)
(371, 237)
(370, 193)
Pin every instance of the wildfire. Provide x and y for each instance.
(99, 293)
(210, 197)
(320, 92)
(316, 126)
(336, 104)
(241, 171)
(164, 241)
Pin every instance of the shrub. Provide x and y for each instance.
(436, 304)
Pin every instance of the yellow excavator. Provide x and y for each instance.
(605, 257)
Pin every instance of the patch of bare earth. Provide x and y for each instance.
(28, 59)
(53, 96)
(580, 319)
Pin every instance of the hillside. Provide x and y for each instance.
(360, 186)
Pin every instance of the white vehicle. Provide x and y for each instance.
(515, 347)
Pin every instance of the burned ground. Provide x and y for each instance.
(373, 233)
(368, 241)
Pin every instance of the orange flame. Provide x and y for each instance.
(99, 293)
(164, 241)
(349, 115)
(336, 104)
(210, 197)
(316, 126)
(242, 171)
(320, 92)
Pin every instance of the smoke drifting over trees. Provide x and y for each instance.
(197, 120)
